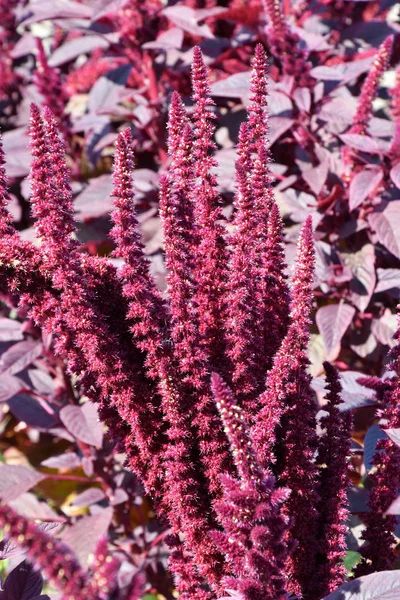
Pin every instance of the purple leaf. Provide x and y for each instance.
(386, 223)
(234, 86)
(56, 9)
(9, 386)
(333, 321)
(394, 508)
(378, 586)
(316, 176)
(10, 330)
(19, 356)
(33, 411)
(88, 497)
(16, 479)
(363, 185)
(362, 265)
(395, 175)
(95, 200)
(354, 395)
(29, 506)
(87, 466)
(18, 158)
(108, 90)
(302, 97)
(374, 433)
(394, 435)
(363, 143)
(167, 40)
(69, 460)
(83, 536)
(76, 47)
(384, 328)
(83, 423)
(185, 18)
(277, 127)
(388, 279)
(23, 583)
(9, 549)
(41, 381)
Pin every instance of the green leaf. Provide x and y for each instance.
(351, 560)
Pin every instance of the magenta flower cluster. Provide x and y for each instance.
(206, 388)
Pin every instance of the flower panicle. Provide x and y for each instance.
(50, 556)
(370, 87)
(333, 452)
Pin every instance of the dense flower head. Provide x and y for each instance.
(233, 469)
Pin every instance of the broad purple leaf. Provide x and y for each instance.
(10, 330)
(362, 266)
(83, 536)
(338, 113)
(41, 381)
(363, 185)
(384, 585)
(101, 8)
(395, 175)
(9, 387)
(88, 497)
(18, 158)
(302, 97)
(384, 328)
(30, 506)
(234, 86)
(108, 90)
(95, 200)
(56, 9)
(363, 143)
(316, 177)
(386, 223)
(358, 499)
(23, 583)
(69, 460)
(9, 549)
(83, 422)
(278, 126)
(16, 479)
(394, 435)
(76, 47)
(354, 395)
(388, 279)
(394, 508)
(119, 496)
(186, 18)
(34, 412)
(333, 321)
(87, 466)
(167, 40)
(374, 433)
(19, 356)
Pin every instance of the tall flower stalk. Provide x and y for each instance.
(232, 468)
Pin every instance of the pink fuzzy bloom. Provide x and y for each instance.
(288, 402)
(333, 452)
(49, 84)
(55, 560)
(182, 501)
(253, 537)
(285, 45)
(257, 119)
(370, 87)
(378, 550)
(104, 571)
(211, 256)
